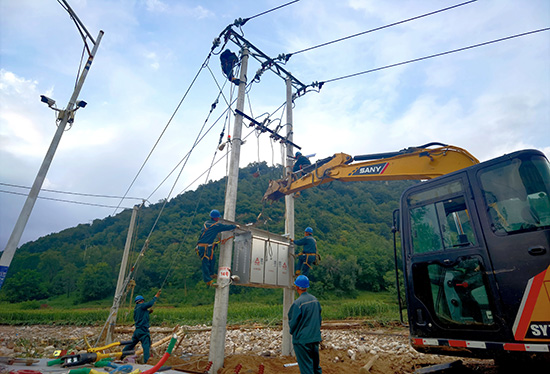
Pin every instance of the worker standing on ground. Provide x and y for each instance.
(301, 162)
(206, 245)
(308, 256)
(304, 320)
(141, 320)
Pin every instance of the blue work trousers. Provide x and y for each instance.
(307, 356)
(144, 337)
(206, 254)
(305, 263)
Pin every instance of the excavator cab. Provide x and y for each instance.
(476, 260)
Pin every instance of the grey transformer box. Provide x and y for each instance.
(262, 259)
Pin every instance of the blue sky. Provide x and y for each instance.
(489, 100)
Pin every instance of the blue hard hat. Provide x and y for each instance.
(302, 281)
(215, 213)
(138, 298)
(309, 229)
(298, 154)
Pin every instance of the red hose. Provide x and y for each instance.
(158, 365)
(164, 357)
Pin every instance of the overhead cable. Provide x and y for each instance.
(287, 56)
(434, 55)
(66, 201)
(241, 22)
(73, 193)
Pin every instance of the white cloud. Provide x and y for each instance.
(156, 6)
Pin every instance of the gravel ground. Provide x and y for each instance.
(343, 350)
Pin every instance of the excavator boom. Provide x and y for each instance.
(416, 163)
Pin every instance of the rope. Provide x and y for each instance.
(435, 55)
(287, 56)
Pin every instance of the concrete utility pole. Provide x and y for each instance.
(221, 301)
(111, 321)
(288, 293)
(65, 115)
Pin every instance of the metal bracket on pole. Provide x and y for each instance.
(263, 128)
(266, 61)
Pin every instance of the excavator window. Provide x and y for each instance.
(440, 222)
(517, 195)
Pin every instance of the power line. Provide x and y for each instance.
(73, 193)
(434, 55)
(65, 201)
(242, 22)
(287, 56)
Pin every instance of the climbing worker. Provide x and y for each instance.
(308, 256)
(141, 320)
(304, 321)
(301, 162)
(228, 61)
(206, 245)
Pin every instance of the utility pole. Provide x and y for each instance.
(221, 301)
(65, 116)
(288, 293)
(111, 321)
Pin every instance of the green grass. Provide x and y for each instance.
(379, 307)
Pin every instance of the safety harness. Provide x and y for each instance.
(316, 255)
(206, 245)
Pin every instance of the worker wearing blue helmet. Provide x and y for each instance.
(308, 256)
(207, 243)
(301, 162)
(304, 320)
(141, 321)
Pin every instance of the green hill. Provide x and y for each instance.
(351, 222)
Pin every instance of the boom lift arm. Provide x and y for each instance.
(417, 163)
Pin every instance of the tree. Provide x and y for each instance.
(27, 285)
(96, 282)
(50, 264)
(67, 279)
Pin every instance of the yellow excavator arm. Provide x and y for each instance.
(418, 163)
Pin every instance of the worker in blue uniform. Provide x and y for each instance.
(206, 245)
(141, 320)
(308, 256)
(304, 320)
(301, 162)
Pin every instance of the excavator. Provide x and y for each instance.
(475, 241)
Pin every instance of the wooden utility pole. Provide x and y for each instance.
(65, 115)
(111, 321)
(288, 292)
(221, 301)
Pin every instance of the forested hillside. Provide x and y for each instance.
(351, 222)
